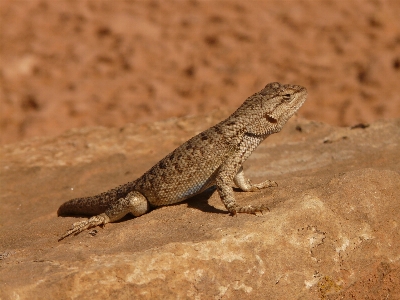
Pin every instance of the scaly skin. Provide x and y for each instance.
(213, 157)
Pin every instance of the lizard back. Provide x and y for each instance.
(186, 171)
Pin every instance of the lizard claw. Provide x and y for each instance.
(263, 208)
(265, 184)
(249, 209)
(78, 227)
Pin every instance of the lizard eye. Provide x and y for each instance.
(286, 97)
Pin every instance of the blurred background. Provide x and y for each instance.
(67, 64)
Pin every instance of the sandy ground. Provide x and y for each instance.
(68, 64)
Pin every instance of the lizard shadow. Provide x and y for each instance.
(200, 202)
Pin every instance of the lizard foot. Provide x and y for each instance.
(78, 227)
(265, 184)
(248, 209)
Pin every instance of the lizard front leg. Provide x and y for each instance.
(223, 182)
(245, 184)
(134, 203)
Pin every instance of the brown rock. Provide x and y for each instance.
(332, 231)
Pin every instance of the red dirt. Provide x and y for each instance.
(67, 64)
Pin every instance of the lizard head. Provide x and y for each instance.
(269, 109)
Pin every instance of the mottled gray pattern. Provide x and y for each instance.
(213, 157)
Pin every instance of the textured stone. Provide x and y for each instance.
(332, 231)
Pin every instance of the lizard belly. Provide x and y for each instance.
(188, 192)
(176, 188)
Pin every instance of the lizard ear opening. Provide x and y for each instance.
(270, 119)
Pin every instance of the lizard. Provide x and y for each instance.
(213, 157)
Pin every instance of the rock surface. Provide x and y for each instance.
(69, 64)
(332, 231)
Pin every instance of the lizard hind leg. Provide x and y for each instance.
(78, 227)
(134, 203)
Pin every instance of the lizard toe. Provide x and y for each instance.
(86, 224)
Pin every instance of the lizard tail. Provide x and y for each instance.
(94, 205)
(83, 206)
